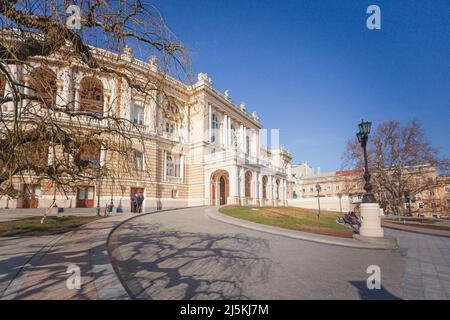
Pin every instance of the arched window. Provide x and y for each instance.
(214, 127)
(43, 82)
(264, 187)
(91, 96)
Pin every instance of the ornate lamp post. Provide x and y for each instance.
(98, 178)
(340, 201)
(370, 210)
(318, 188)
(363, 137)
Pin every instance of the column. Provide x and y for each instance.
(209, 123)
(182, 168)
(242, 185)
(217, 191)
(285, 192)
(244, 139)
(102, 156)
(273, 187)
(67, 86)
(260, 188)
(225, 131)
(106, 111)
(234, 186)
(255, 188)
(26, 103)
(114, 97)
(14, 73)
(51, 155)
(230, 142)
(77, 98)
(164, 165)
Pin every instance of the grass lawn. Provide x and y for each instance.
(291, 218)
(33, 226)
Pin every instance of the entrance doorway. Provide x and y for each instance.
(85, 197)
(223, 196)
(31, 195)
(219, 187)
(133, 192)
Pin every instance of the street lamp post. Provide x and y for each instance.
(340, 201)
(318, 188)
(98, 195)
(363, 137)
(370, 210)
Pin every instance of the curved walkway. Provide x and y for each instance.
(36, 267)
(184, 254)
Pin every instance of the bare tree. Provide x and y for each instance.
(52, 135)
(402, 162)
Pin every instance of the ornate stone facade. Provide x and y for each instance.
(201, 148)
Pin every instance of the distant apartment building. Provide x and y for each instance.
(343, 190)
(338, 190)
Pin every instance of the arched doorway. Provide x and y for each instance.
(264, 187)
(277, 189)
(219, 187)
(248, 184)
(222, 193)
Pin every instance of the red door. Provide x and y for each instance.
(85, 197)
(31, 195)
(213, 194)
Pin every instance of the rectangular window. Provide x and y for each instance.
(447, 189)
(138, 161)
(170, 128)
(90, 193)
(138, 114)
(172, 165)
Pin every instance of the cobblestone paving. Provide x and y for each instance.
(185, 255)
(427, 269)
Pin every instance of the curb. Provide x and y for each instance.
(214, 214)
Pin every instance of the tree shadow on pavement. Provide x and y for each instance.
(45, 275)
(155, 263)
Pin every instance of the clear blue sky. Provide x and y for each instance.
(312, 69)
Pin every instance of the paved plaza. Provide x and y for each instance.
(185, 254)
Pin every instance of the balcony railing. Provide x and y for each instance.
(240, 157)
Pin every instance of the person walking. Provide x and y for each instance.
(139, 201)
(134, 203)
